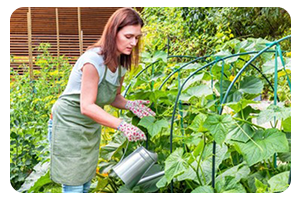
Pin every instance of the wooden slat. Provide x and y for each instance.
(68, 46)
(44, 30)
(93, 20)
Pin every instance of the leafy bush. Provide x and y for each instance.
(30, 108)
(200, 31)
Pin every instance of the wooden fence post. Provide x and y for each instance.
(57, 32)
(79, 31)
(58, 46)
(29, 34)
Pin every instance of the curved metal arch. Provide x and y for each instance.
(204, 57)
(137, 75)
(195, 72)
(263, 75)
(246, 65)
(177, 70)
(228, 90)
(226, 94)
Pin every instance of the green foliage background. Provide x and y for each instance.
(200, 31)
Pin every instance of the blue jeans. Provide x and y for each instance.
(50, 130)
(69, 188)
(76, 188)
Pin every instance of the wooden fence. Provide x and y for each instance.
(69, 30)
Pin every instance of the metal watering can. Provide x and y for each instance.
(135, 165)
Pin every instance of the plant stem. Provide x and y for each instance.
(198, 164)
(204, 179)
(112, 184)
(106, 191)
(245, 121)
(196, 171)
(187, 182)
(248, 136)
(276, 124)
(242, 113)
(271, 164)
(266, 167)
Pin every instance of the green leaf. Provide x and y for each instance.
(162, 182)
(226, 53)
(175, 165)
(102, 183)
(218, 126)
(251, 85)
(203, 189)
(216, 70)
(197, 91)
(287, 124)
(263, 145)
(206, 163)
(241, 133)
(238, 172)
(39, 171)
(269, 66)
(105, 167)
(260, 187)
(113, 147)
(192, 80)
(160, 55)
(234, 94)
(199, 148)
(197, 123)
(193, 139)
(240, 105)
(154, 127)
(42, 181)
(155, 95)
(286, 156)
(124, 189)
(192, 66)
(147, 122)
(273, 111)
(279, 182)
(228, 184)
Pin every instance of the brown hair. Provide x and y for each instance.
(119, 19)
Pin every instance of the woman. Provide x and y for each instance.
(96, 80)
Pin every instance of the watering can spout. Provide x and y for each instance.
(134, 166)
(151, 177)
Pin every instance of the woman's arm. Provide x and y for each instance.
(119, 101)
(89, 90)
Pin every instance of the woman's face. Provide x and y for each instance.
(127, 39)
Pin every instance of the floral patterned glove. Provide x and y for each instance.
(139, 109)
(133, 133)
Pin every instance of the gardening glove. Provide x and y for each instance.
(139, 109)
(133, 133)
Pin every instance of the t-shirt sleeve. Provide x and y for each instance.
(95, 59)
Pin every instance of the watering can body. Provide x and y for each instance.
(134, 166)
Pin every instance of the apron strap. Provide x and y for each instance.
(119, 71)
(105, 72)
(119, 76)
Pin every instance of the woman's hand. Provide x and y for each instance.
(139, 109)
(133, 133)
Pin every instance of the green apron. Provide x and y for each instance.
(76, 137)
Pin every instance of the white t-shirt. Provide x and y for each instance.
(91, 56)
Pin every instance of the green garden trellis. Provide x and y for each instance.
(277, 51)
